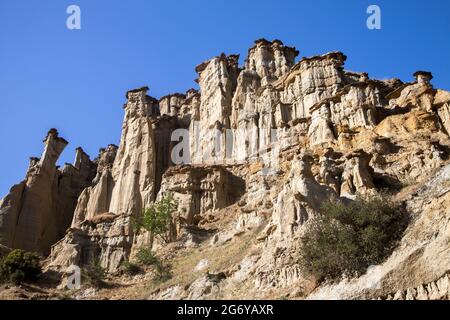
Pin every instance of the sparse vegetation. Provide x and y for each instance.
(129, 268)
(163, 273)
(94, 273)
(157, 219)
(345, 239)
(183, 266)
(19, 266)
(146, 257)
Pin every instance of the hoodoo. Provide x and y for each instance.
(266, 145)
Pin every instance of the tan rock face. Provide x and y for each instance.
(217, 80)
(125, 179)
(320, 131)
(133, 170)
(300, 198)
(123, 187)
(269, 143)
(107, 238)
(96, 199)
(171, 104)
(444, 115)
(36, 212)
(270, 60)
(310, 81)
(201, 190)
(417, 95)
(442, 104)
(417, 269)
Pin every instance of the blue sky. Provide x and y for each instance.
(76, 80)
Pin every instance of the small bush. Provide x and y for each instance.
(19, 266)
(158, 218)
(163, 274)
(129, 268)
(94, 273)
(345, 239)
(146, 257)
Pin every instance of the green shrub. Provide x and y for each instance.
(158, 218)
(163, 273)
(19, 266)
(94, 273)
(129, 268)
(345, 239)
(146, 257)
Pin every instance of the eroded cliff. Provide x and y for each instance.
(265, 146)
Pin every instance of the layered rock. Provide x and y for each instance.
(217, 81)
(356, 176)
(421, 258)
(123, 187)
(106, 238)
(245, 117)
(416, 95)
(270, 60)
(95, 199)
(171, 104)
(315, 105)
(163, 128)
(268, 144)
(310, 81)
(199, 190)
(125, 180)
(300, 199)
(37, 212)
(133, 170)
(442, 104)
(435, 290)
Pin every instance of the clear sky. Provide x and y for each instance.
(75, 80)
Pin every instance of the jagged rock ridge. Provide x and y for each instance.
(273, 139)
(37, 211)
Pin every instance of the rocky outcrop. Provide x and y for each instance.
(107, 238)
(419, 94)
(217, 81)
(199, 190)
(442, 104)
(171, 104)
(270, 60)
(436, 290)
(37, 211)
(125, 179)
(95, 199)
(123, 187)
(250, 159)
(299, 200)
(310, 81)
(421, 258)
(133, 170)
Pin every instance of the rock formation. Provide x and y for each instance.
(37, 211)
(418, 267)
(250, 158)
(201, 189)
